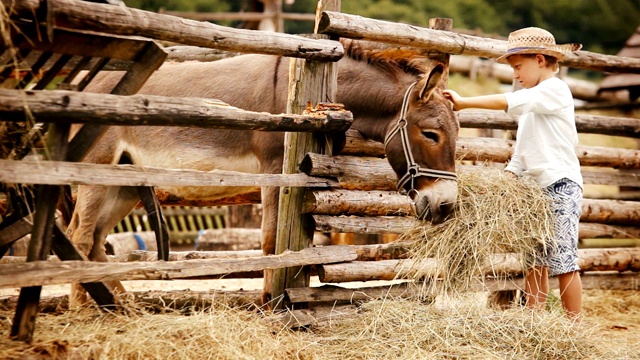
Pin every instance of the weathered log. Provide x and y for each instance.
(380, 204)
(358, 173)
(611, 211)
(182, 53)
(358, 27)
(360, 203)
(139, 255)
(395, 250)
(82, 15)
(61, 173)
(619, 259)
(39, 273)
(594, 230)
(588, 124)
(62, 107)
(363, 224)
(352, 172)
(500, 151)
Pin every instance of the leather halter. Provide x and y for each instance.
(413, 169)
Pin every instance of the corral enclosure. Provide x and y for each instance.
(362, 198)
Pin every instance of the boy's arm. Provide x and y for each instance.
(490, 102)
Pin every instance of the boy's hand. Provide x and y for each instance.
(454, 98)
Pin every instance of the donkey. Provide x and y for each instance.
(395, 99)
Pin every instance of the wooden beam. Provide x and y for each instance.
(309, 82)
(358, 27)
(82, 15)
(357, 173)
(39, 273)
(588, 124)
(63, 107)
(370, 218)
(621, 259)
(61, 173)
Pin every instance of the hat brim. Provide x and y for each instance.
(557, 51)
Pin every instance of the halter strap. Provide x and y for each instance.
(413, 169)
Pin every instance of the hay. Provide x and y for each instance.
(406, 329)
(384, 329)
(495, 214)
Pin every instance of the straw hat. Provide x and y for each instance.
(533, 40)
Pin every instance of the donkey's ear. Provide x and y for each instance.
(431, 81)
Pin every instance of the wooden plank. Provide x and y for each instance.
(391, 204)
(358, 27)
(618, 259)
(16, 230)
(309, 82)
(109, 19)
(78, 43)
(38, 273)
(61, 106)
(47, 197)
(400, 225)
(62, 173)
(588, 124)
(358, 173)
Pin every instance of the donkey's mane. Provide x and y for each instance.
(387, 57)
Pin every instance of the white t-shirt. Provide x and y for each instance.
(547, 135)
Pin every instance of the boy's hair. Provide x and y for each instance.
(551, 61)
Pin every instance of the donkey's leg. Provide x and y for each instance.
(270, 200)
(98, 210)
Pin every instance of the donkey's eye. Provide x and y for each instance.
(431, 136)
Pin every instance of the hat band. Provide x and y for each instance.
(522, 48)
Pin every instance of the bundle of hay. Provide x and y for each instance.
(495, 214)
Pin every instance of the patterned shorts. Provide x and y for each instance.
(562, 257)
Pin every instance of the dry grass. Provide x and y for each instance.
(495, 214)
(384, 329)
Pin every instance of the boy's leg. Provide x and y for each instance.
(536, 287)
(571, 293)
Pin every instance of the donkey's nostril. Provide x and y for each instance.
(446, 208)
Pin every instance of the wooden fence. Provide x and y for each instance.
(611, 217)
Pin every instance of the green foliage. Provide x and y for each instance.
(600, 25)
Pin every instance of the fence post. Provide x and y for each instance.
(309, 82)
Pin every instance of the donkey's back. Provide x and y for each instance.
(261, 87)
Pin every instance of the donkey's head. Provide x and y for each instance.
(421, 145)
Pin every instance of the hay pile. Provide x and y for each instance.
(383, 329)
(495, 214)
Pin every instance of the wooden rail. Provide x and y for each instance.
(109, 19)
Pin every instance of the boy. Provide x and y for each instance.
(545, 151)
